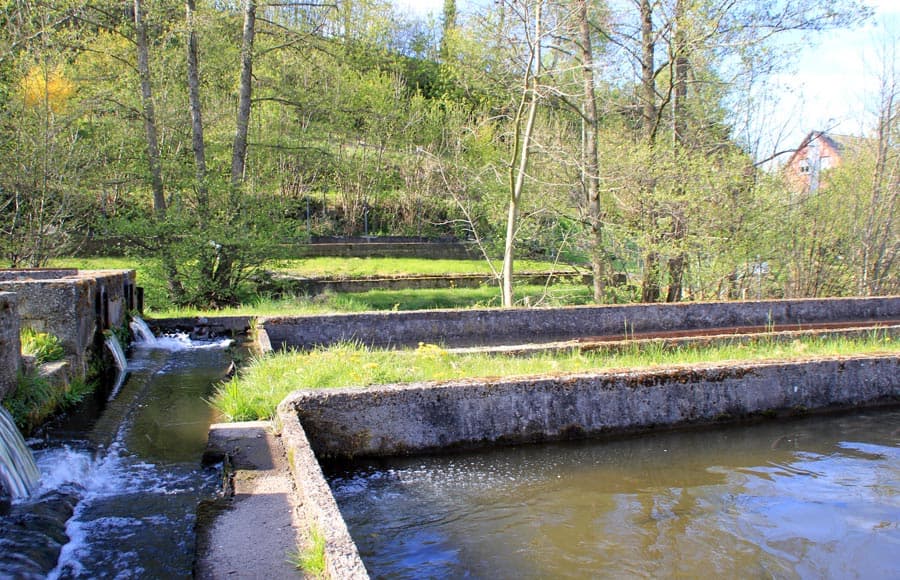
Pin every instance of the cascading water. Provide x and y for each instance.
(118, 354)
(123, 488)
(142, 332)
(19, 474)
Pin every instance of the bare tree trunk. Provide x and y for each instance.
(650, 283)
(590, 170)
(196, 116)
(239, 151)
(522, 141)
(679, 129)
(648, 81)
(149, 113)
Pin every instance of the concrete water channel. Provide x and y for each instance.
(417, 419)
(412, 419)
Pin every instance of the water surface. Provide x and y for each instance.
(809, 498)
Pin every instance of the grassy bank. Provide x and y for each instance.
(257, 390)
(157, 305)
(423, 299)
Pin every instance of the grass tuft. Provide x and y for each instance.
(311, 559)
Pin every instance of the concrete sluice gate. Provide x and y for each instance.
(75, 306)
(424, 418)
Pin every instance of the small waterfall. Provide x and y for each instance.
(112, 343)
(142, 332)
(115, 347)
(18, 472)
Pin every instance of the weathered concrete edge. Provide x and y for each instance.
(342, 558)
(398, 419)
(493, 326)
(215, 324)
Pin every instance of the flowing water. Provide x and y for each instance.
(132, 473)
(811, 498)
(18, 472)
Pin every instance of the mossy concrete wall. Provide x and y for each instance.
(9, 343)
(412, 418)
(73, 305)
(455, 328)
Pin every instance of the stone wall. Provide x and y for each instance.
(398, 419)
(75, 306)
(457, 328)
(9, 344)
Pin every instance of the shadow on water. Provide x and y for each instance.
(129, 469)
(809, 498)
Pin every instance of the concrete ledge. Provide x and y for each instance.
(207, 325)
(458, 328)
(288, 284)
(341, 555)
(412, 418)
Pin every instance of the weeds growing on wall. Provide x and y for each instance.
(44, 347)
(311, 558)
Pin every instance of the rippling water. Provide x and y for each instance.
(809, 498)
(133, 472)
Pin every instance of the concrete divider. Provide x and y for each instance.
(457, 328)
(413, 418)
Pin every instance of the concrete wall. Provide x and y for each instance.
(284, 284)
(504, 326)
(397, 419)
(9, 344)
(75, 306)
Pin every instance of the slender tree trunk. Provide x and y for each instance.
(239, 151)
(648, 80)
(522, 142)
(197, 142)
(679, 129)
(650, 283)
(149, 113)
(590, 157)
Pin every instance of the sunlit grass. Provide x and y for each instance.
(419, 299)
(361, 267)
(257, 390)
(157, 305)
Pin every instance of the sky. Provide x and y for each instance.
(831, 86)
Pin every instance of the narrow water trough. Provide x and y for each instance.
(392, 420)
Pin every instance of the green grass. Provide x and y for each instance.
(42, 346)
(157, 305)
(259, 387)
(362, 267)
(485, 296)
(311, 559)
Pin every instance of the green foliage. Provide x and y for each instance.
(311, 558)
(44, 347)
(36, 399)
(259, 387)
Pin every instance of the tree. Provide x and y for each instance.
(523, 123)
(149, 111)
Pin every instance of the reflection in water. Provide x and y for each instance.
(817, 497)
